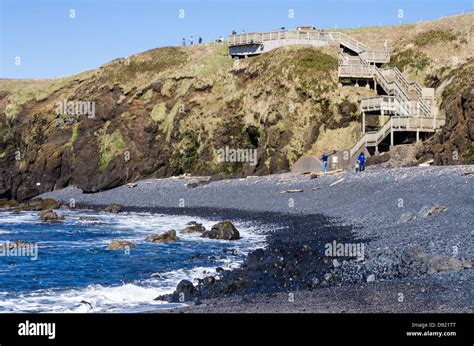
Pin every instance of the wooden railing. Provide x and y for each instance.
(399, 123)
(311, 35)
(400, 87)
(356, 71)
(385, 103)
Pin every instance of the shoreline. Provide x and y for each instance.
(367, 204)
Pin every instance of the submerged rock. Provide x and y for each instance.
(223, 230)
(50, 216)
(113, 208)
(168, 236)
(120, 244)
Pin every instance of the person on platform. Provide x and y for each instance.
(361, 161)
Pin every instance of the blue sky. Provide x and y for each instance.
(51, 44)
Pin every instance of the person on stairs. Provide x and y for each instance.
(324, 159)
(361, 161)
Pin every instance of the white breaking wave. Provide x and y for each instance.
(127, 298)
(137, 296)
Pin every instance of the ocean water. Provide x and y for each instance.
(74, 272)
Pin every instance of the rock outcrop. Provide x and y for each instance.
(120, 245)
(113, 208)
(194, 228)
(50, 216)
(166, 237)
(454, 144)
(223, 230)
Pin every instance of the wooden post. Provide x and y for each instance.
(417, 135)
(363, 123)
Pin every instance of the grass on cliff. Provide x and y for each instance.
(141, 69)
(23, 91)
(434, 36)
(410, 58)
(74, 134)
(110, 145)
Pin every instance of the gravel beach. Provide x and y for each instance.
(415, 225)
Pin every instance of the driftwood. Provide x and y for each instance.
(337, 182)
(292, 191)
(426, 163)
(324, 174)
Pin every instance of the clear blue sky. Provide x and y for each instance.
(51, 44)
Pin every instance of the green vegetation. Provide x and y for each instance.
(190, 152)
(140, 69)
(410, 58)
(462, 77)
(434, 36)
(212, 63)
(313, 60)
(468, 155)
(158, 113)
(111, 145)
(74, 134)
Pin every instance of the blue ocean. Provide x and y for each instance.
(75, 272)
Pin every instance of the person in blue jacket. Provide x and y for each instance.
(324, 159)
(361, 161)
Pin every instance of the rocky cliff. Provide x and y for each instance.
(170, 110)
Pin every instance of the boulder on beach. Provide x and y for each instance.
(428, 210)
(194, 228)
(167, 237)
(186, 287)
(198, 182)
(185, 292)
(50, 216)
(120, 244)
(223, 230)
(113, 208)
(421, 262)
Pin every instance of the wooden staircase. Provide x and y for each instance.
(410, 107)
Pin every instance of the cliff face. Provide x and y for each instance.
(454, 143)
(170, 110)
(166, 112)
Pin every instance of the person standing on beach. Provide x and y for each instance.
(325, 159)
(200, 40)
(191, 40)
(361, 161)
(183, 41)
